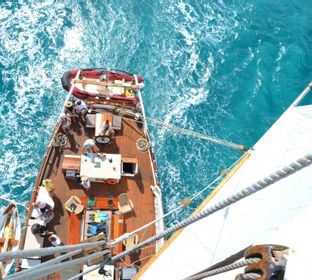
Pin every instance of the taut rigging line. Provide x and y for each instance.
(198, 135)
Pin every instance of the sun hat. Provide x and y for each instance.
(47, 183)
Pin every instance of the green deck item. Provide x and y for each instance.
(91, 202)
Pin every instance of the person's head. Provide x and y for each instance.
(84, 179)
(35, 228)
(48, 184)
(107, 122)
(78, 102)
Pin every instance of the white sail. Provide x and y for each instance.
(296, 235)
(250, 220)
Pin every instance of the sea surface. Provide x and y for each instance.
(226, 69)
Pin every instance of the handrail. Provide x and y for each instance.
(302, 95)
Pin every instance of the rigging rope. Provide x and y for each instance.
(198, 135)
(184, 131)
(250, 276)
(187, 132)
(223, 269)
(58, 259)
(47, 270)
(47, 251)
(126, 235)
(259, 185)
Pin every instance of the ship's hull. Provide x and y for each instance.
(133, 172)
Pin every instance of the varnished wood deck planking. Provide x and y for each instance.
(138, 187)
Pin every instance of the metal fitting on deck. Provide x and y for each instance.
(272, 264)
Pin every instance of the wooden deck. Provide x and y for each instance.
(67, 225)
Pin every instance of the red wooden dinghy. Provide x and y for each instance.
(99, 83)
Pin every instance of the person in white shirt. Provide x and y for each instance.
(89, 146)
(80, 108)
(107, 129)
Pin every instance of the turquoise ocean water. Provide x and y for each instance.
(221, 68)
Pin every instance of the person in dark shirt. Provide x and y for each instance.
(41, 230)
(42, 206)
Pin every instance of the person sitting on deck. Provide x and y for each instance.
(107, 129)
(41, 230)
(85, 182)
(80, 108)
(42, 206)
(65, 123)
(89, 146)
(46, 210)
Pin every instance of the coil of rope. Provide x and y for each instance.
(60, 140)
(143, 145)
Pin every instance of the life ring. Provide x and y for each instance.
(143, 145)
(111, 181)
